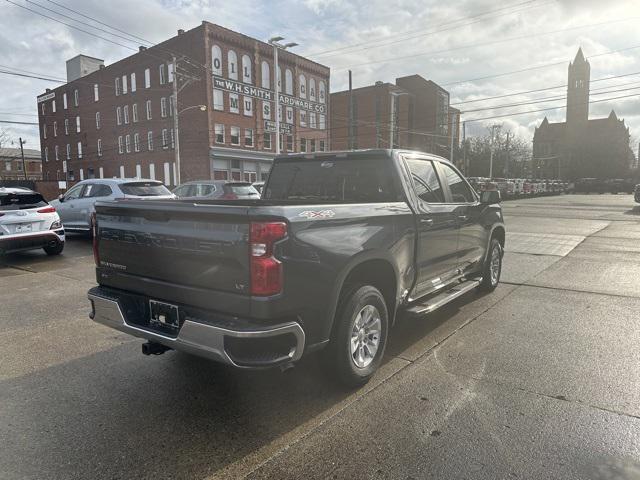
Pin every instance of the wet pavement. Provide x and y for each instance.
(540, 379)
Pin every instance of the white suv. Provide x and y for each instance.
(28, 222)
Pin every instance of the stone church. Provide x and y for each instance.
(580, 147)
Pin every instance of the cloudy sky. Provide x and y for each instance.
(469, 46)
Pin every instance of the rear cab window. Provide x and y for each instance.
(21, 201)
(241, 189)
(333, 180)
(144, 189)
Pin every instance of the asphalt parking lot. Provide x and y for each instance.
(540, 379)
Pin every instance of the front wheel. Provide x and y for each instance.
(360, 336)
(492, 267)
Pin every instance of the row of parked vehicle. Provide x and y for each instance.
(29, 222)
(519, 187)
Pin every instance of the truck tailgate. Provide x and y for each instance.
(175, 248)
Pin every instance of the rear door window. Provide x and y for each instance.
(144, 189)
(425, 180)
(319, 180)
(21, 201)
(97, 190)
(241, 189)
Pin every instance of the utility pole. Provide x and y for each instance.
(176, 133)
(493, 128)
(24, 167)
(506, 160)
(451, 133)
(464, 149)
(350, 126)
(277, 87)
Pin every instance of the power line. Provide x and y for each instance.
(493, 42)
(21, 70)
(30, 76)
(18, 123)
(422, 33)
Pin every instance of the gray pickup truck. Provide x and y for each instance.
(339, 246)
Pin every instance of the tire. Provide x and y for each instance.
(348, 358)
(491, 271)
(55, 249)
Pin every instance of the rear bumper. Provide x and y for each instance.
(248, 346)
(30, 241)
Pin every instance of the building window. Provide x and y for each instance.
(163, 74)
(124, 84)
(163, 107)
(321, 121)
(97, 120)
(121, 171)
(303, 118)
(120, 145)
(117, 86)
(134, 112)
(96, 94)
(312, 90)
(99, 147)
(248, 106)
(171, 106)
(216, 60)
(64, 101)
(68, 152)
(246, 69)
(248, 137)
(322, 146)
(126, 114)
(220, 175)
(150, 141)
(57, 152)
(234, 103)
(235, 135)
(266, 75)
(46, 154)
(136, 142)
(322, 94)
(77, 124)
(218, 99)
(148, 109)
(127, 143)
(147, 78)
(133, 83)
(266, 141)
(170, 72)
(173, 139)
(55, 129)
(53, 105)
(165, 144)
(44, 131)
(42, 108)
(303, 145)
(66, 126)
(313, 145)
(75, 98)
(288, 82)
(232, 59)
(79, 149)
(312, 120)
(219, 131)
(119, 115)
(302, 87)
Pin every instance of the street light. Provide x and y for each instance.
(275, 43)
(202, 108)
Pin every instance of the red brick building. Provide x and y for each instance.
(12, 168)
(118, 120)
(414, 113)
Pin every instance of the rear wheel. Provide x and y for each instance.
(360, 336)
(492, 267)
(54, 249)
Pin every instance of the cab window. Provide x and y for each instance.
(97, 190)
(425, 180)
(460, 191)
(74, 192)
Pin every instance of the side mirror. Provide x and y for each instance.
(61, 197)
(490, 197)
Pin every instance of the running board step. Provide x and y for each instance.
(443, 298)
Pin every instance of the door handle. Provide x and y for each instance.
(462, 218)
(426, 221)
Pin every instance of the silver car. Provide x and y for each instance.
(217, 190)
(76, 206)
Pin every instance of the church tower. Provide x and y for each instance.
(578, 90)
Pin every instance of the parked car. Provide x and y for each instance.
(217, 189)
(341, 244)
(77, 204)
(28, 222)
(259, 186)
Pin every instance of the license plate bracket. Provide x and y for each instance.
(164, 316)
(23, 228)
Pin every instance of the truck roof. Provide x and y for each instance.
(358, 153)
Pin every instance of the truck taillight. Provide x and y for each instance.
(94, 234)
(266, 270)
